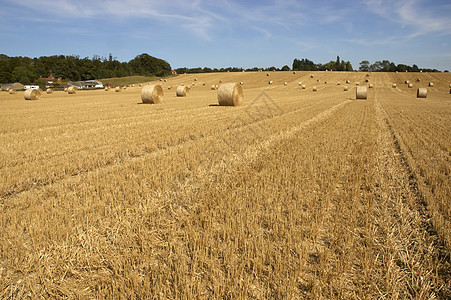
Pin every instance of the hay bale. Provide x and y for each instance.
(422, 92)
(338, 83)
(203, 83)
(311, 76)
(12, 91)
(241, 83)
(450, 85)
(169, 87)
(314, 88)
(270, 82)
(140, 85)
(195, 79)
(65, 89)
(7, 90)
(303, 87)
(230, 94)
(193, 84)
(285, 83)
(49, 91)
(213, 87)
(152, 94)
(393, 85)
(300, 83)
(32, 94)
(406, 82)
(431, 84)
(370, 85)
(410, 85)
(357, 83)
(165, 80)
(182, 84)
(366, 80)
(345, 88)
(294, 72)
(317, 80)
(182, 91)
(348, 81)
(117, 89)
(72, 90)
(418, 79)
(360, 92)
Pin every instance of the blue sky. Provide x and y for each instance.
(222, 33)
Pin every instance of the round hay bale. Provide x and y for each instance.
(220, 81)
(393, 85)
(217, 86)
(294, 72)
(406, 82)
(357, 83)
(370, 86)
(117, 89)
(270, 82)
(303, 87)
(317, 80)
(431, 84)
(450, 85)
(12, 91)
(182, 84)
(182, 91)
(367, 75)
(285, 83)
(7, 90)
(124, 87)
(347, 81)
(230, 94)
(314, 88)
(49, 91)
(422, 92)
(65, 89)
(152, 94)
(72, 90)
(345, 88)
(213, 87)
(193, 84)
(140, 85)
(169, 87)
(366, 80)
(418, 79)
(241, 83)
(165, 80)
(195, 79)
(360, 92)
(203, 83)
(161, 79)
(410, 85)
(300, 83)
(311, 76)
(338, 83)
(32, 94)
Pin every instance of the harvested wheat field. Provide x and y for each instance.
(293, 194)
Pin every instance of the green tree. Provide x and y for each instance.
(364, 66)
(285, 68)
(23, 75)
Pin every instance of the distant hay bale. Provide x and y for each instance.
(230, 94)
(12, 91)
(213, 87)
(133, 85)
(294, 72)
(165, 80)
(450, 85)
(360, 92)
(303, 87)
(406, 82)
(182, 84)
(325, 82)
(65, 89)
(161, 79)
(182, 91)
(267, 74)
(140, 85)
(317, 80)
(169, 87)
(357, 83)
(431, 84)
(270, 82)
(241, 83)
(124, 87)
(366, 80)
(393, 85)
(49, 91)
(410, 85)
(195, 79)
(314, 88)
(217, 86)
(367, 75)
(311, 76)
(348, 81)
(285, 83)
(220, 81)
(300, 83)
(193, 84)
(345, 88)
(203, 83)
(117, 89)
(422, 92)
(32, 94)
(370, 86)
(152, 94)
(338, 83)
(7, 89)
(418, 79)
(72, 90)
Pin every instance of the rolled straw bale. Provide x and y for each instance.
(203, 83)
(32, 94)
(314, 88)
(230, 94)
(357, 83)
(366, 80)
(133, 85)
(338, 83)
(410, 85)
(152, 94)
(303, 86)
(107, 89)
(182, 84)
(241, 83)
(431, 84)
(300, 83)
(325, 82)
(317, 80)
(124, 87)
(294, 72)
(285, 83)
(195, 79)
(367, 75)
(165, 80)
(72, 90)
(393, 85)
(49, 91)
(311, 76)
(65, 89)
(345, 88)
(220, 81)
(347, 81)
(169, 87)
(360, 92)
(7, 90)
(161, 79)
(140, 85)
(193, 84)
(217, 86)
(418, 79)
(370, 85)
(422, 92)
(406, 82)
(450, 85)
(213, 87)
(450, 91)
(12, 91)
(117, 89)
(270, 82)
(182, 91)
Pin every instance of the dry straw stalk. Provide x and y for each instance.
(230, 94)
(152, 94)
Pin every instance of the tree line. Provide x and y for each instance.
(308, 65)
(387, 66)
(73, 68)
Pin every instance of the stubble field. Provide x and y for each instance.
(296, 194)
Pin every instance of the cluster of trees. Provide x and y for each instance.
(73, 68)
(308, 65)
(387, 66)
(228, 69)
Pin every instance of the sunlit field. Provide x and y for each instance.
(296, 194)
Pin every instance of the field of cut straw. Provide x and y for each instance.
(295, 194)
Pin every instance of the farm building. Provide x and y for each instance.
(87, 84)
(50, 79)
(31, 87)
(15, 86)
